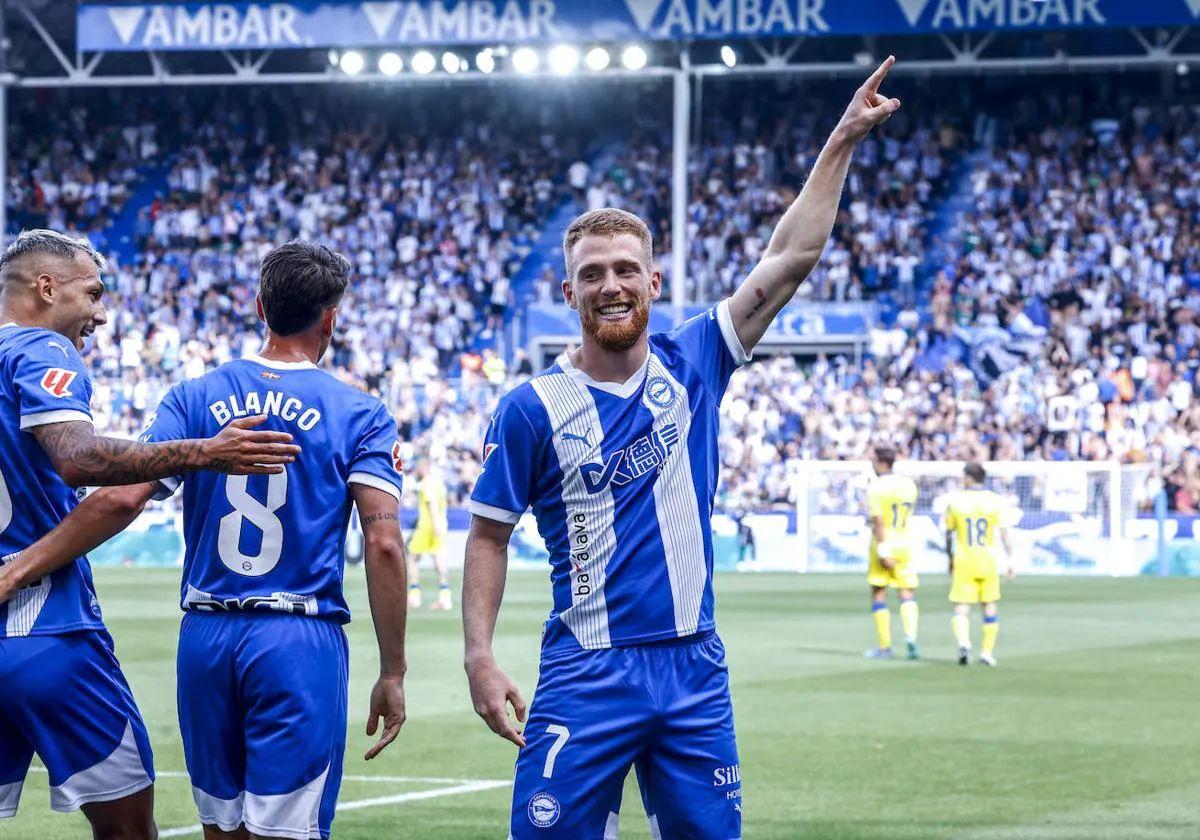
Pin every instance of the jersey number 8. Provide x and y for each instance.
(248, 508)
(5, 505)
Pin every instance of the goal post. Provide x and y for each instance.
(1076, 517)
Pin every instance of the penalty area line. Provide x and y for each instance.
(396, 799)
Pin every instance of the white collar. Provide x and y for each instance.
(271, 363)
(624, 390)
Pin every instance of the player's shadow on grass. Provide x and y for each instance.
(899, 659)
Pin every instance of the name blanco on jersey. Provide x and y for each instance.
(275, 402)
(632, 462)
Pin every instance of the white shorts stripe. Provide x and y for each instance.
(121, 774)
(292, 815)
(225, 814)
(10, 795)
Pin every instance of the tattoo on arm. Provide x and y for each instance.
(761, 302)
(377, 517)
(93, 459)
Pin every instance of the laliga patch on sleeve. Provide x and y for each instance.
(397, 461)
(57, 382)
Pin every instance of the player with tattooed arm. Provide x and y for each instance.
(62, 693)
(263, 660)
(615, 450)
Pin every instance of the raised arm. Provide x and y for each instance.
(387, 582)
(799, 238)
(483, 589)
(97, 519)
(84, 458)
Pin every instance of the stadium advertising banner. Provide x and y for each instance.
(300, 24)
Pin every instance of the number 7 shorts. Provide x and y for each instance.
(65, 698)
(262, 710)
(663, 709)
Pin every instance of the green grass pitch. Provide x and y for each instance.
(1087, 729)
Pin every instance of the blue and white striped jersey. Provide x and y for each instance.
(43, 380)
(621, 479)
(276, 542)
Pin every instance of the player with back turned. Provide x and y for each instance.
(615, 450)
(891, 500)
(976, 519)
(263, 660)
(62, 693)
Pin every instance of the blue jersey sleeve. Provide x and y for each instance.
(710, 343)
(168, 423)
(52, 382)
(504, 488)
(375, 461)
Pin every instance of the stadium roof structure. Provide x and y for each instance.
(51, 43)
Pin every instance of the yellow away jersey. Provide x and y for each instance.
(892, 497)
(976, 517)
(431, 501)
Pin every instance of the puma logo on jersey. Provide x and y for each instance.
(583, 438)
(634, 461)
(57, 382)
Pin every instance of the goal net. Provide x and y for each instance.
(1075, 517)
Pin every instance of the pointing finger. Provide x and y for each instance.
(871, 85)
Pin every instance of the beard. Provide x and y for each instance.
(616, 338)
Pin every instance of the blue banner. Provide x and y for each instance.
(308, 23)
(796, 321)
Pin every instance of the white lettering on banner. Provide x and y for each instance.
(483, 20)
(541, 19)
(714, 14)
(125, 21)
(413, 26)
(512, 23)
(913, 9)
(191, 29)
(957, 14)
(449, 24)
(723, 17)
(380, 16)
(283, 24)
(217, 25)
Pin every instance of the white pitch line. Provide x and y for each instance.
(427, 780)
(465, 787)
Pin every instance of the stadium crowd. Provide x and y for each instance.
(1079, 244)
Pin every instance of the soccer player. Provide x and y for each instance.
(428, 537)
(62, 693)
(614, 448)
(891, 499)
(262, 660)
(974, 518)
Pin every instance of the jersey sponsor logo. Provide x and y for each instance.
(543, 810)
(730, 775)
(56, 382)
(647, 453)
(660, 392)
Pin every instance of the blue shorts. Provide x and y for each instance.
(262, 710)
(65, 698)
(663, 709)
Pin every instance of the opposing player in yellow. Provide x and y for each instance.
(975, 518)
(891, 500)
(428, 537)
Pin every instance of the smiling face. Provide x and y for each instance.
(612, 284)
(74, 291)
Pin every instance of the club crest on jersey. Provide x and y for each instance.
(397, 461)
(634, 461)
(57, 382)
(543, 810)
(660, 392)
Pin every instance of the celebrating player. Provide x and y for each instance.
(614, 448)
(263, 659)
(891, 499)
(428, 536)
(62, 693)
(973, 519)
